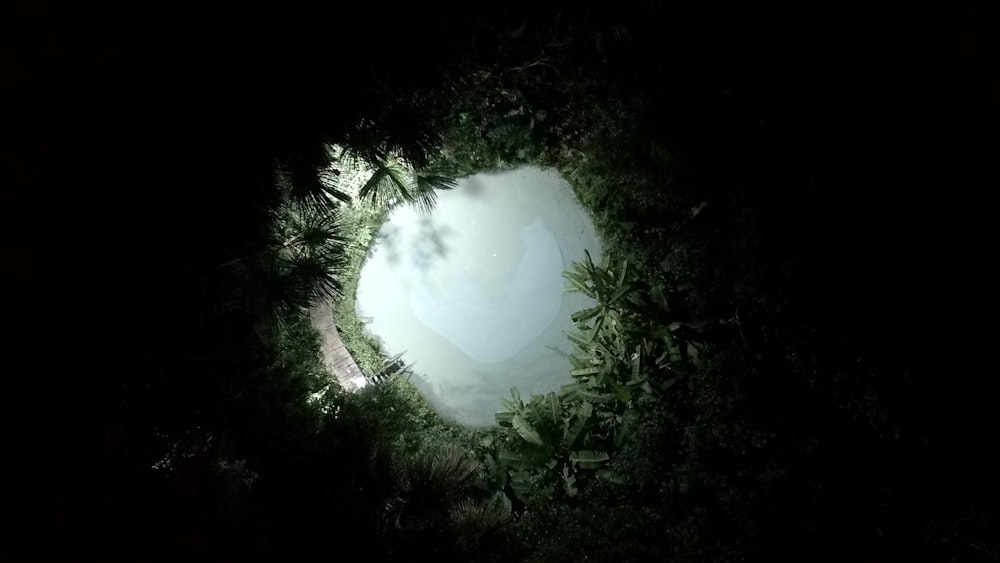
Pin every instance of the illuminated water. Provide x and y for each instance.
(473, 293)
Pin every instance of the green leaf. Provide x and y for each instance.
(569, 482)
(573, 432)
(516, 395)
(608, 475)
(577, 283)
(504, 418)
(595, 397)
(586, 314)
(520, 483)
(622, 392)
(517, 460)
(662, 360)
(570, 390)
(696, 210)
(502, 501)
(387, 182)
(585, 371)
(555, 407)
(622, 432)
(636, 361)
(693, 354)
(620, 292)
(659, 298)
(580, 339)
(621, 276)
(525, 430)
(497, 470)
(588, 459)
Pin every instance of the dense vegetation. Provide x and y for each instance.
(789, 356)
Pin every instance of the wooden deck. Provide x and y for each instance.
(335, 356)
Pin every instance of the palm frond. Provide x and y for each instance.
(441, 474)
(388, 185)
(300, 265)
(473, 521)
(309, 185)
(427, 181)
(307, 176)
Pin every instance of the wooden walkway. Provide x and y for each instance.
(336, 358)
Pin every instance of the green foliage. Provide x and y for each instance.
(361, 225)
(302, 263)
(562, 441)
(391, 184)
(496, 123)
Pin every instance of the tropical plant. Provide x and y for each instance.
(549, 441)
(300, 265)
(434, 509)
(391, 179)
(620, 350)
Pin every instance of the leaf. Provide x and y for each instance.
(586, 314)
(511, 405)
(517, 460)
(502, 501)
(497, 470)
(387, 182)
(595, 397)
(504, 418)
(662, 360)
(672, 348)
(520, 483)
(696, 210)
(577, 362)
(620, 292)
(577, 284)
(608, 475)
(585, 371)
(636, 361)
(428, 182)
(622, 392)
(573, 432)
(580, 339)
(570, 390)
(588, 459)
(621, 276)
(555, 407)
(659, 298)
(525, 430)
(622, 431)
(693, 354)
(569, 482)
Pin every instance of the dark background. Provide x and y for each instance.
(135, 148)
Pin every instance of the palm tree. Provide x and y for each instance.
(432, 513)
(300, 264)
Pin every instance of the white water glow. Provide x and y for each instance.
(472, 293)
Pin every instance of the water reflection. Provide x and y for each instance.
(474, 293)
